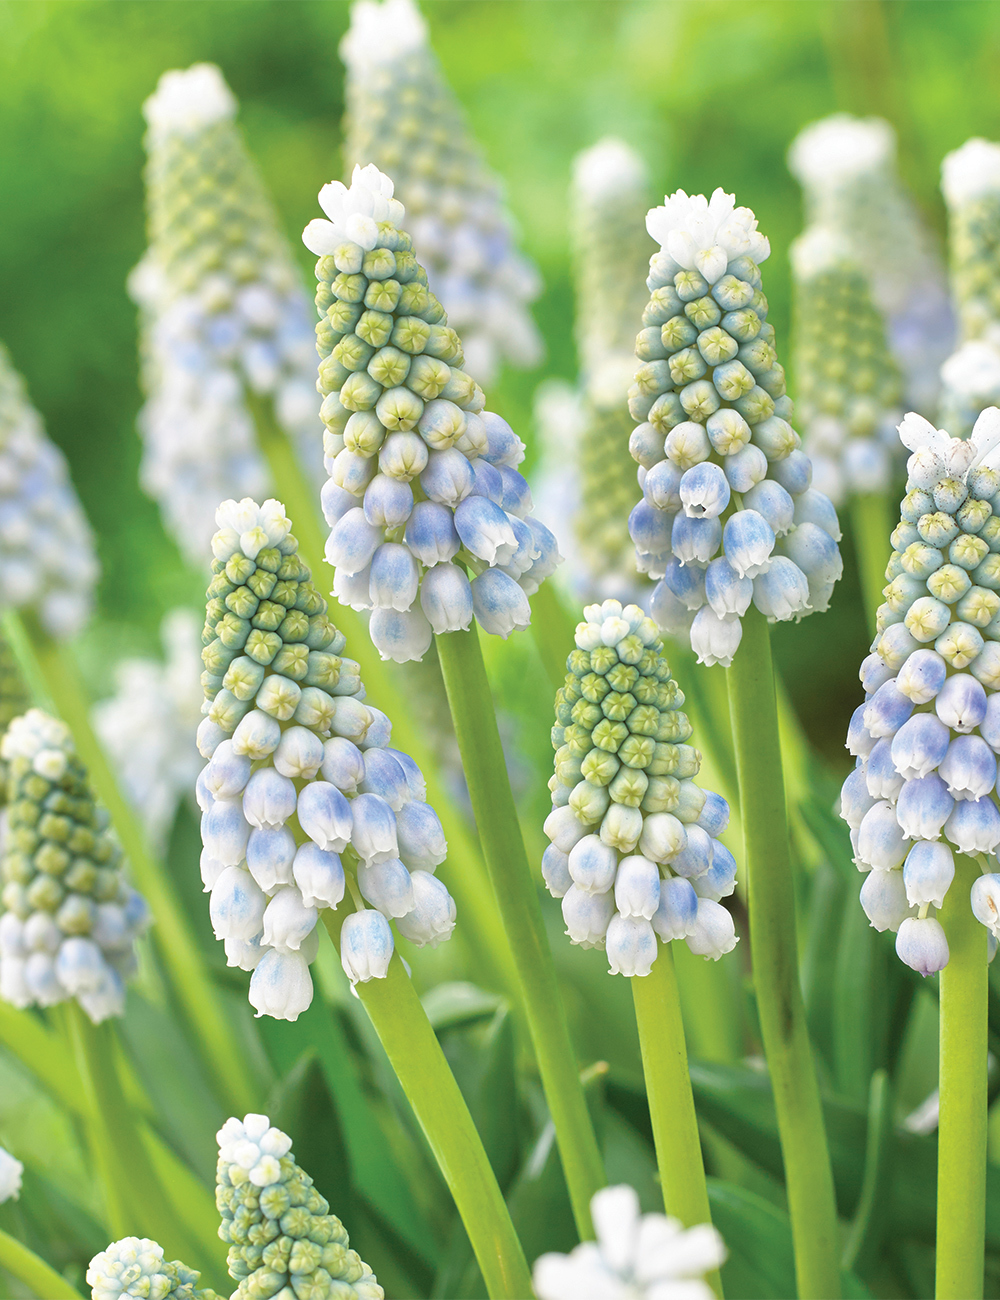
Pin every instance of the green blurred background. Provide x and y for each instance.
(710, 91)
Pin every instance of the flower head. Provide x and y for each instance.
(136, 1267)
(636, 1257)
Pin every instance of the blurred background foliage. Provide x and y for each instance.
(711, 92)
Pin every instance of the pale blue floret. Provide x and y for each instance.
(704, 491)
(969, 768)
(388, 502)
(631, 945)
(661, 485)
(650, 529)
(815, 552)
(415, 783)
(236, 906)
(782, 591)
(919, 745)
(678, 909)
(922, 676)
(587, 916)
(961, 703)
(555, 871)
(374, 832)
(448, 478)
(592, 865)
(974, 826)
(881, 844)
(288, 920)
(745, 468)
(714, 816)
(281, 986)
(269, 798)
(794, 473)
(813, 507)
(385, 777)
(227, 773)
(748, 541)
(394, 577)
(687, 582)
(516, 498)
(696, 855)
(319, 876)
(400, 635)
(366, 946)
(695, 541)
(343, 764)
(420, 838)
(79, 965)
(922, 945)
(387, 887)
(446, 598)
(269, 856)
(859, 743)
(883, 897)
(487, 481)
(928, 871)
(499, 603)
(719, 881)
(225, 831)
(985, 900)
(352, 542)
(637, 887)
(924, 806)
(989, 728)
(887, 710)
(379, 731)
(773, 503)
(728, 594)
(430, 533)
(873, 673)
(326, 816)
(257, 734)
(485, 530)
(855, 798)
(432, 917)
(883, 781)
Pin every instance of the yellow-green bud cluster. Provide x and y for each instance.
(283, 1240)
(848, 382)
(224, 319)
(70, 919)
(135, 1269)
(47, 559)
(403, 117)
(633, 850)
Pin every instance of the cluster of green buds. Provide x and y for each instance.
(970, 180)
(135, 1269)
(634, 852)
(14, 700)
(423, 483)
(927, 736)
(224, 320)
(403, 117)
(283, 1240)
(847, 169)
(47, 559)
(147, 726)
(847, 378)
(586, 484)
(70, 919)
(300, 773)
(728, 514)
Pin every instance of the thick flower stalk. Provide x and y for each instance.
(634, 852)
(587, 481)
(282, 1236)
(635, 1257)
(147, 726)
(10, 1177)
(47, 560)
(70, 919)
(848, 381)
(403, 117)
(135, 1267)
(847, 169)
(727, 516)
(423, 487)
(223, 314)
(303, 796)
(970, 181)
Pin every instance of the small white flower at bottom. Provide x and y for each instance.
(635, 1257)
(10, 1177)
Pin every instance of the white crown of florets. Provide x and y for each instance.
(607, 169)
(819, 249)
(381, 33)
(254, 1146)
(971, 171)
(33, 735)
(839, 148)
(937, 455)
(973, 370)
(705, 235)
(248, 527)
(354, 212)
(186, 100)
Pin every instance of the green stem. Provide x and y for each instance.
(517, 899)
(40, 1278)
(137, 1203)
(865, 1235)
(871, 523)
(467, 879)
(416, 1056)
(41, 1051)
(172, 933)
(808, 1178)
(961, 1195)
(553, 631)
(668, 1089)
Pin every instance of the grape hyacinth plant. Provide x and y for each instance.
(403, 117)
(423, 481)
(921, 802)
(634, 852)
(300, 772)
(639, 1256)
(727, 516)
(847, 168)
(70, 919)
(224, 319)
(970, 182)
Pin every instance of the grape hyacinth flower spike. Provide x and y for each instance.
(403, 117)
(303, 795)
(136, 1267)
(223, 316)
(634, 852)
(727, 516)
(423, 481)
(970, 181)
(69, 918)
(926, 738)
(47, 559)
(639, 1256)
